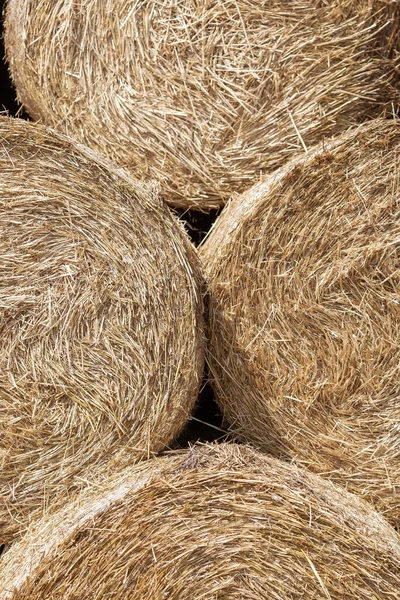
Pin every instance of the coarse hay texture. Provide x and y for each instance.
(101, 319)
(212, 522)
(204, 96)
(304, 279)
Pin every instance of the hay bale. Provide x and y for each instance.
(304, 275)
(102, 345)
(208, 523)
(204, 96)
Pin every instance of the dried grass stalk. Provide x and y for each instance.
(304, 275)
(102, 345)
(209, 523)
(204, 95)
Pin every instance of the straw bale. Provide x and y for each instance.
(208, 523)
(304, 276)
(204, 95)
(101, 321)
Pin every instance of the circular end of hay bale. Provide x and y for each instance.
(203, 97)
(212, 522)
(101, 318)
(304, 328)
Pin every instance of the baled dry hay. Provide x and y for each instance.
(209, 523)
(204, 95)
(304, 275)
(102, 345)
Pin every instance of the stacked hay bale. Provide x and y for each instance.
(101, 319)
(212, 522)
(101, 309)
(304, 278)
(203, 96)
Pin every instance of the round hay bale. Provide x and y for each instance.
(304, 276)
(203, 96)
(101, 320)
(212, 522)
